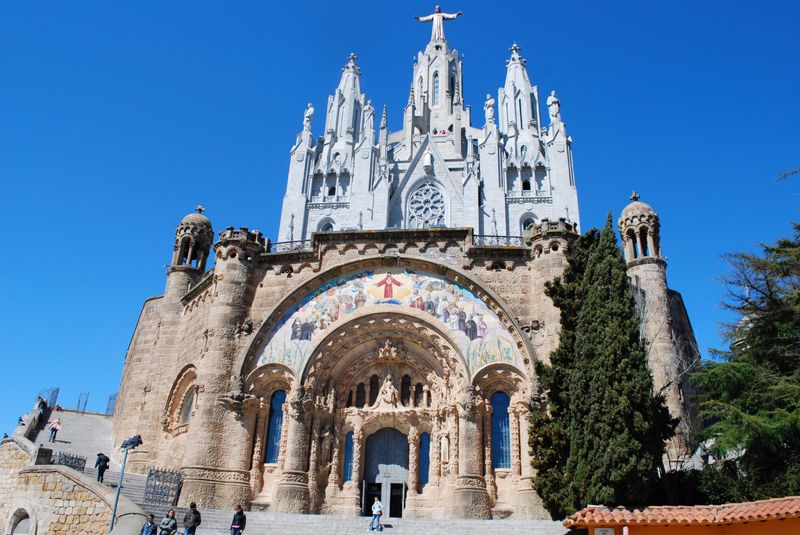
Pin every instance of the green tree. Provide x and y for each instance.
(751, 393)
(602, 435)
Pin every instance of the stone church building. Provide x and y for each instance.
(384, 344)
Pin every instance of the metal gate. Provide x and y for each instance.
(76, 462)
(162, 487)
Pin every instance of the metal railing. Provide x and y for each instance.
(76, 462)
(497, 241)
(289, 246)
(162, 487)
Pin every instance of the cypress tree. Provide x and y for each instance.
(549, 436)
(617, 427)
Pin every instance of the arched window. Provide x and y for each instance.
(436, 86)
(526, 185)
(634, 245)
(327, 227)
(501, 434)
(348, 457)
(188, 406)
(350, 399)
(361, 395)
(424, 458)
(643, 239)
(275, 427)
(528, 222)
(419, 393)
(426, 207)
(405, 390)
(374, 386)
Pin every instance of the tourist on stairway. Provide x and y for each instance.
(102, 465)
(239, 521)
(191, 519)
(54, 427)
(377, 512)
(149, 527)
(169, 526)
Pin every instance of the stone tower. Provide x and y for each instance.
(669, 343)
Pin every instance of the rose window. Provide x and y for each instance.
(426, 207)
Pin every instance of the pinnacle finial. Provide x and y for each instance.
(515, 49)
(635, 196)
(200, 208)
(383, 117)
(352, 58)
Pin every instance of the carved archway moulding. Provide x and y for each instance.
(268, 378)
(248, 359)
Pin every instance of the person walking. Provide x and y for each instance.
(149, 527)
(377, 512)
(102, 465)
(191, 519)
(168, 526)
(54, 427)
(239, 521)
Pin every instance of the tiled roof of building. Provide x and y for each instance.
(776, 508)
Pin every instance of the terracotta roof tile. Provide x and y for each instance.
(775, 508)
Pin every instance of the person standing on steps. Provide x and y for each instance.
(54, 428)
(102, 465)
(239, 521)
(149, 527)
(377, 512)
(191, 519)
(168, 526)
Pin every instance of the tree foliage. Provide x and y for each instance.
(601, 437)
(751, 393)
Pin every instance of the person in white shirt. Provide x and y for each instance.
(377, 512)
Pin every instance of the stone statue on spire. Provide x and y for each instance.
(437, 19)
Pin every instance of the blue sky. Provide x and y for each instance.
(117, 118)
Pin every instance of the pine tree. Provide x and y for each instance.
(601, 436)
(752, 392)
(617, 427)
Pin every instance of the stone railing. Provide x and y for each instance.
(58, 499)
(481, 240)
(289, 246)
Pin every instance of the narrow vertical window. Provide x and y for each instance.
(405, 390)
(424, 458)
(374, 387)
(275, 427)
(435, 99)
(348, 457)
(361, 395)
(501, 434)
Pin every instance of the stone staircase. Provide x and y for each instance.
(88, 434)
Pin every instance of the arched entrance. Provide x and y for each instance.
(386, 471)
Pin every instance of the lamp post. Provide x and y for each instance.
(127, 445)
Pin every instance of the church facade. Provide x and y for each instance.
(384, 345)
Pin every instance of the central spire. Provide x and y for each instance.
(437, 19)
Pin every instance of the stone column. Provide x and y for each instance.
(641, 244)
(257, 468)
(491, 486)
(513, 422)
(358, 440)
(435, 464)
(333, 476)
(291, 492)
(651, 243)
(313, 463)
(413, 460)
(470, 498)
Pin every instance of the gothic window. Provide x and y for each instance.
(331, 191)
(188, 406)
(326, 226)
(528, 221)
(539, 176)
(526, 185)
(501, 434)
(274, 427)
(374, 387)
(435, 99)
(348, 457)
(426, 207)
(405, 390)
(452, 96)
(512, 179)
(361, 395)
(634, 246)
(316, 185)
(424, 458)
(350, 399)
(419, 394)
(344, 184)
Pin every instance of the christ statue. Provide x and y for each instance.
(438, 18)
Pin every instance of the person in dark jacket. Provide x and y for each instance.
(191, 519)
(149, 527)
(102, 465)
(168, 526)
(239, 521)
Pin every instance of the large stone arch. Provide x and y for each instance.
(302, 293)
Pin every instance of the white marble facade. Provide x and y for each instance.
(438, 170)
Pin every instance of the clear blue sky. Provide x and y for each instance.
(117, 118)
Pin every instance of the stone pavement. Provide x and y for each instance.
(87, 434)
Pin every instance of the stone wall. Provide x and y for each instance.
(56, 499)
